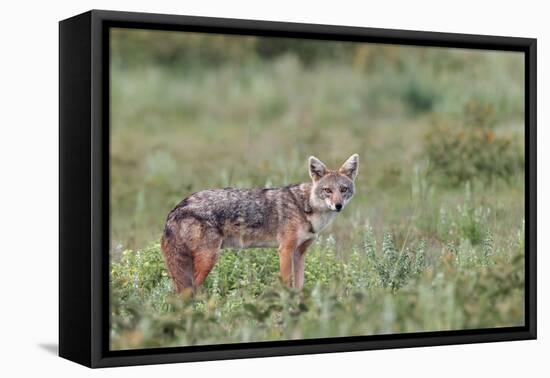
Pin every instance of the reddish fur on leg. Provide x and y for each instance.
(203, 262)
(180, 264)
(286, 261)
(299, 263)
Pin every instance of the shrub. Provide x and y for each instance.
(394, 267)
(419, 94)
(459, 153)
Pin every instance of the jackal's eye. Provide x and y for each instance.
(343, 189)
(327, 190)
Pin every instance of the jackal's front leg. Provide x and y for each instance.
(299, 263)
(286, 260)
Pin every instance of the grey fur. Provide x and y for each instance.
(245, 210)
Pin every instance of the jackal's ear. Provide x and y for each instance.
(316, 168)
(351, 167)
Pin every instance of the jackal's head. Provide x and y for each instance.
(332, 190)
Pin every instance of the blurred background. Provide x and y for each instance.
(191, 111)
(433, 239)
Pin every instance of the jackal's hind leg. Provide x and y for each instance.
(206, 248)
(190, 249)
(203, 262)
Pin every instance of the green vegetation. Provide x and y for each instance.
(432, 240)
(473, 150)
(377, 290)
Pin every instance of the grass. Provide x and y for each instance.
(380, 288)
(432, 240)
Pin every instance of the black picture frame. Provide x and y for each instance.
(84, 188)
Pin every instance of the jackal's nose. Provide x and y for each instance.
(338, 206)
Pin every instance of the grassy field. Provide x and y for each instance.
(432, 240)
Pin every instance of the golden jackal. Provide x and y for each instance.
(288, 218)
